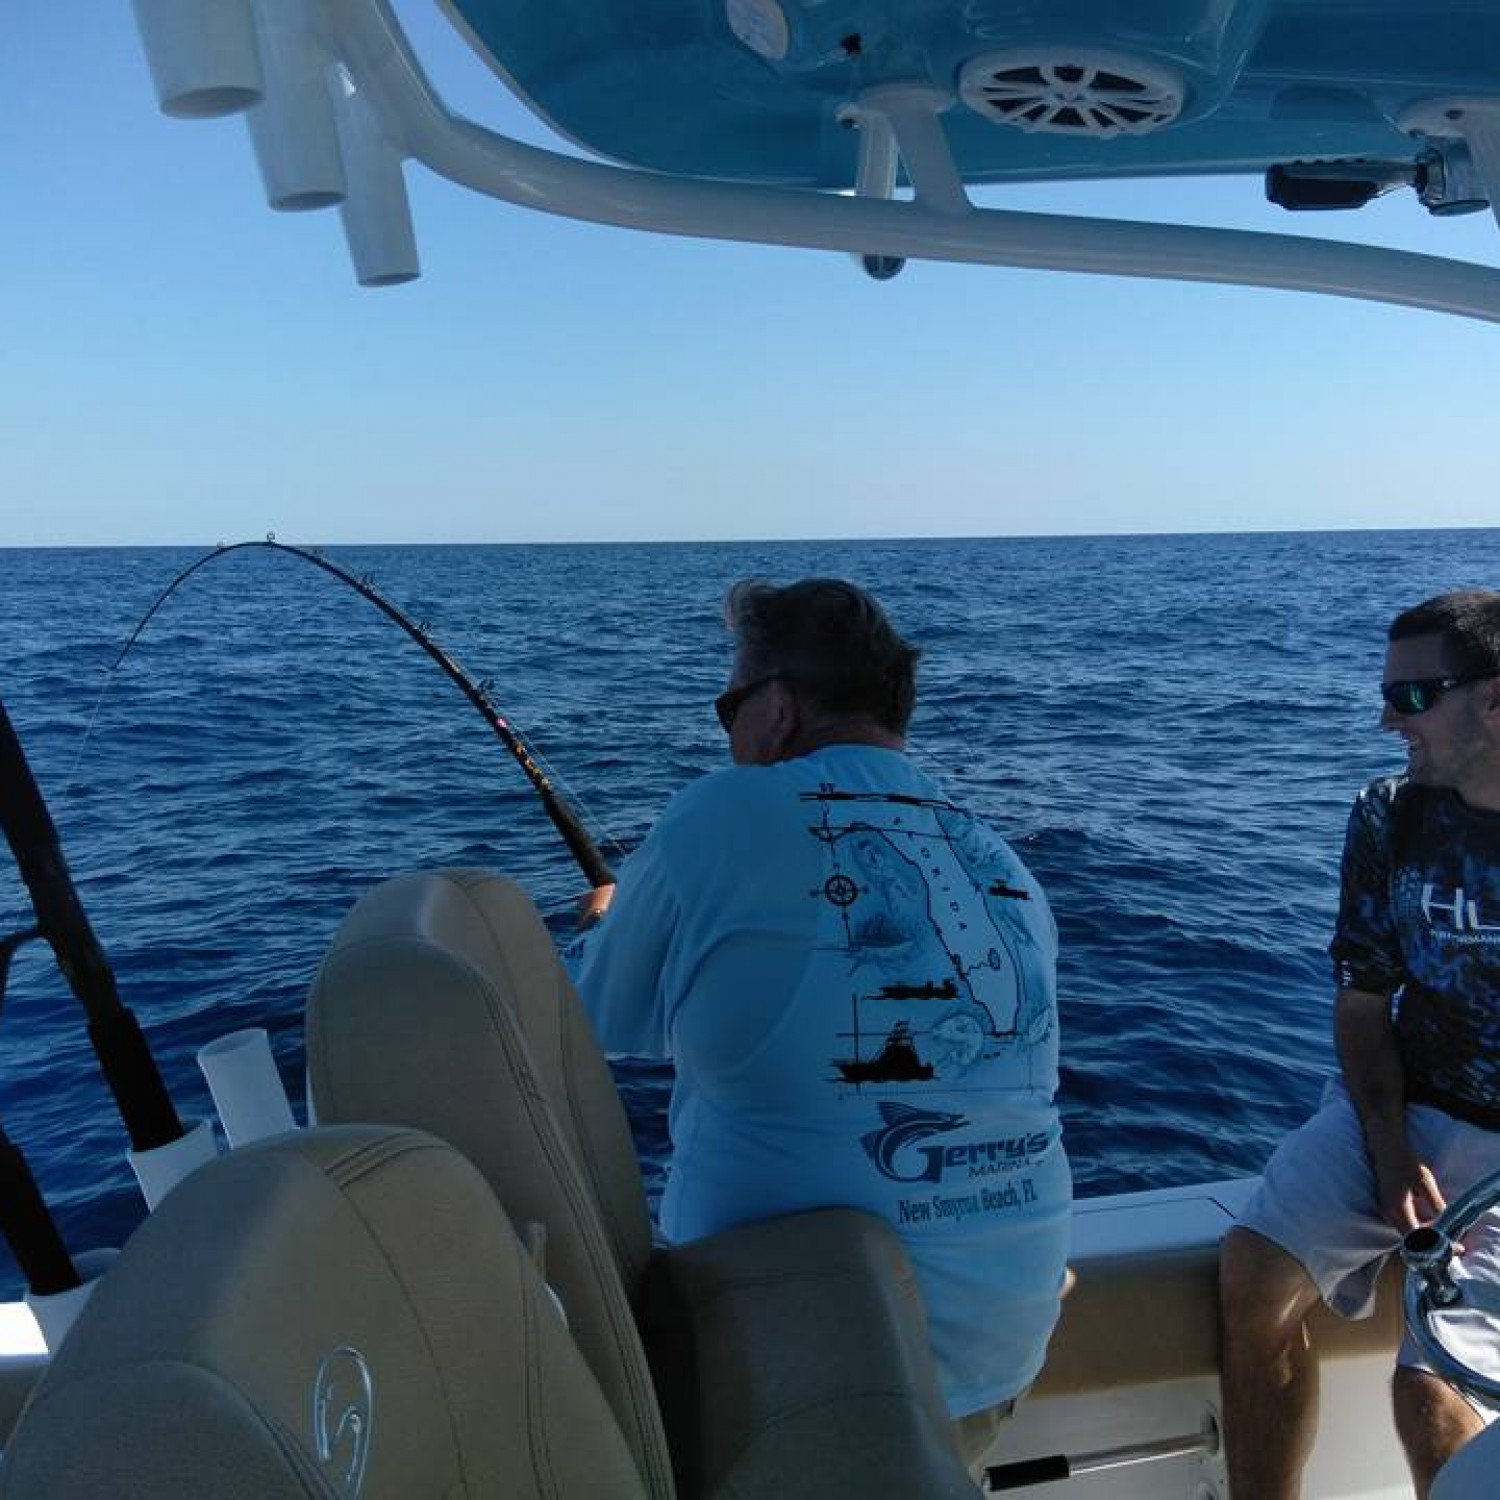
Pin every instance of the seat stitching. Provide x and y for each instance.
(586, 1225)
(639, 1388)
(536, 1432)
(380, 1246)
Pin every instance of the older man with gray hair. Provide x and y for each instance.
(856, 980)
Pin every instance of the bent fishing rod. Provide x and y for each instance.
(118, 1042)
(562, 815)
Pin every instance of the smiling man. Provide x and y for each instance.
(1413, 1118)
(856, 981)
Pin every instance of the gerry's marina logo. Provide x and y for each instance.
(898, 1153)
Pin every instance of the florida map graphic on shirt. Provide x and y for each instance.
(936, 968)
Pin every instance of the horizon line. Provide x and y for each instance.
(761, 541)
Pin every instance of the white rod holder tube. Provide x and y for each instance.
(293, 129)
(161, 1168)
(203, 58)
(247, 1089)
(377, 213)
(57, 1313)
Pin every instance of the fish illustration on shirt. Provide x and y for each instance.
(905, 1125)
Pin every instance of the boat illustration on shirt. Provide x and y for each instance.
(896, 1062)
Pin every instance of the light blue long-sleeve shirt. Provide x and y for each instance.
(856, 982)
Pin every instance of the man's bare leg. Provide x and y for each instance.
(1269, 1375)
(1434, 1422)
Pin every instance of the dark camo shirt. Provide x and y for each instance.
(1419, 919)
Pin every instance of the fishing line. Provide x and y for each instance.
(930, 753)
(603, 831)
(576, 798)
(560, 810)
(71, 780)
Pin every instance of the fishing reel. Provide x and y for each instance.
(1431, 1289)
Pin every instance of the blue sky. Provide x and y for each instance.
(180, 365)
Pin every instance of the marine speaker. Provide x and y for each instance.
(1077, 92)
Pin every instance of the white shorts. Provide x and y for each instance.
(1317, 1202)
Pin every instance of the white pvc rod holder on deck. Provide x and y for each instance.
(160, 1169)
(203, 58)
(57, 1313)
(293, 130)
(247, 1089)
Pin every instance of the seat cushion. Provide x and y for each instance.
(339, 1311)
(792, 1361)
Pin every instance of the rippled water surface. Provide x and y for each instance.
(1168, 728)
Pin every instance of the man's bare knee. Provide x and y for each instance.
(1263, 1291)
(1269, 1375)
(1419, 1396)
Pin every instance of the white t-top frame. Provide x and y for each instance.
(339, 101)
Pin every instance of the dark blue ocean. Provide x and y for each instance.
(1169, 729)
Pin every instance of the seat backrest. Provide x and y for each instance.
(1470, 1473)
(441, 1005)
(343, 1312)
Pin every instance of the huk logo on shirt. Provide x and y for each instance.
(1459, 913)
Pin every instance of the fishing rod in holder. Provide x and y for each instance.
(162, 1151)
(559, 811)
(25, 1221)
(114, 1033)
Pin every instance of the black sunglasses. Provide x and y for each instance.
(728, 705)
(1415, 695)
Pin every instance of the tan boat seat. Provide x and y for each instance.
(792, 1356)
(335, 1313)
(792, 1360)
(441, 1005)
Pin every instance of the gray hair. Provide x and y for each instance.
(832, 640)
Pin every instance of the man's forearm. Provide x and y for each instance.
(1405, 1186)
(1371, 1065)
